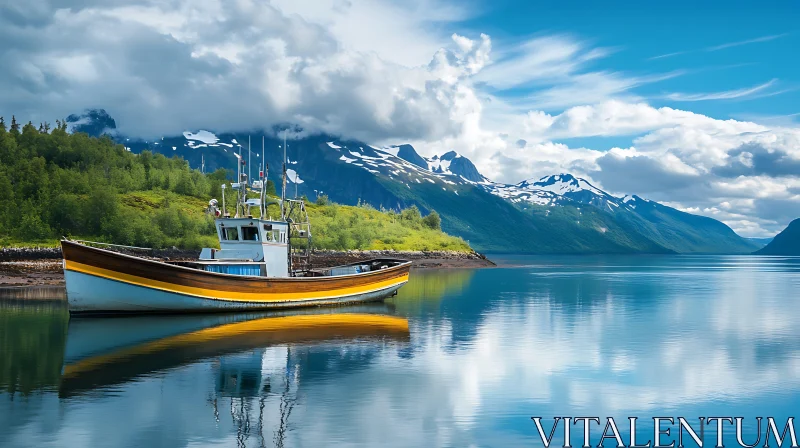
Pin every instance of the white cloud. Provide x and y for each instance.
(400, 32)
(745, 42)
(244, 64)
(724, 95)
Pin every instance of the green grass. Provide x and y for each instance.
(346, 227)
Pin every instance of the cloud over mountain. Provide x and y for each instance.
(158, 67)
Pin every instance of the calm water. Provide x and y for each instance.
(482, 352)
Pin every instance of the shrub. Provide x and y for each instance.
(432, 221)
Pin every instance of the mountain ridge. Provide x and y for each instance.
(560, 213)
(787, 242)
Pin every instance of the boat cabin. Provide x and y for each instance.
(264, 247)
(249, 246)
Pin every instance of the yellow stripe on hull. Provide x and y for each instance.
(229, 295)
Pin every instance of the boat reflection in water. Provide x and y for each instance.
(253, 356)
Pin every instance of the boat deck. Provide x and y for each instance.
(370, 265)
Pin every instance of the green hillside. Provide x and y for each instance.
(55, 184)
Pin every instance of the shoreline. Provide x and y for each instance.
(41, 267)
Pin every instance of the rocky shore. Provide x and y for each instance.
(41, 266)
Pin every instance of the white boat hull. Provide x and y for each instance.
(87, 293)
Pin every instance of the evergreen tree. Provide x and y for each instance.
(14, 125)
(2, 125)
(271, 188)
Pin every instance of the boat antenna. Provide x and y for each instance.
(263, 173)
(249, 159)
(238, 180)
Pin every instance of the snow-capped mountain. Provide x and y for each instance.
(557, 189)
(560, 213)
(454, 163)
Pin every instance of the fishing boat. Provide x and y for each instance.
(262, 263)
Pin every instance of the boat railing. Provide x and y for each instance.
(111, 245)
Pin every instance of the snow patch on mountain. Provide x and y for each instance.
(203, 136)
(561, 184)
(438, 165)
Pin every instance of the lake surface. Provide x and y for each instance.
(459, 358)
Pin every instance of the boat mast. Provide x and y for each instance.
(283, 186)
(264, 175)
(224, 211)
(238, 181)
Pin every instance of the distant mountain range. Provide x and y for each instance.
(760, 242)
(785, 243)
(560, 213)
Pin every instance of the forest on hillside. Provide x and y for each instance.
(54, 183)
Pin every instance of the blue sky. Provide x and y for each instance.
(715, 46)
(693, 104)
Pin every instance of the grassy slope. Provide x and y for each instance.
(334, 226)
(376, 230)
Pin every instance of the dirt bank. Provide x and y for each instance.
(42, 266)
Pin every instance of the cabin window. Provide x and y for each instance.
(276, 236)
(230, 233)
(249, 233)
(268, 235)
